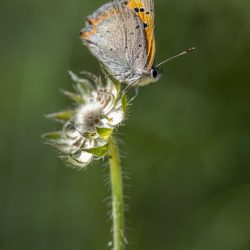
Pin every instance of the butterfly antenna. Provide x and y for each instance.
(173, 57)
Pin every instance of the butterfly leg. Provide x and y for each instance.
(136, 94)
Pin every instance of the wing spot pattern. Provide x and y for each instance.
(94, 22)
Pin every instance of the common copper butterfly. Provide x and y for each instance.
(120, 34)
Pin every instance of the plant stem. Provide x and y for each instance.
(117, 196)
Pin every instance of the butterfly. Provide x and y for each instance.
(120, 34)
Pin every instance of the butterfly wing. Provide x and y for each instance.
(145, 11)
(115, 36)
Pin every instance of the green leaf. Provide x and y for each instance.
(104, 133)
(52, 136)
(124, 103)
(62, 116)
(73, 96)
(99, 151)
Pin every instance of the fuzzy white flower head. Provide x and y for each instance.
(100, 108)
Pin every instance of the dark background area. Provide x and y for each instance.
(186, 141)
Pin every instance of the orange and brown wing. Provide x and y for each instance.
(145, 11)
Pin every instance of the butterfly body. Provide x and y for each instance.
(120, 34)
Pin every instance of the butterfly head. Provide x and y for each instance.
(150, 76)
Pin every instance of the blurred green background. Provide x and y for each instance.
(186, 142)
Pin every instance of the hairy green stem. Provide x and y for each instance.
(117, 196)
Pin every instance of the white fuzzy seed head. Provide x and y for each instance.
(88, 116)
(100, 108)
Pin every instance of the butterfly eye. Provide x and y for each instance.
(154, 73)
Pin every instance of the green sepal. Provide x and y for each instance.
(82, 85)
(93, 78)
(99, 151)
(52, 136)
(104, 133)
(73, 96)
(62, 116)
(73, 163)
(124, 103)
(117, 85)
(90, 135)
